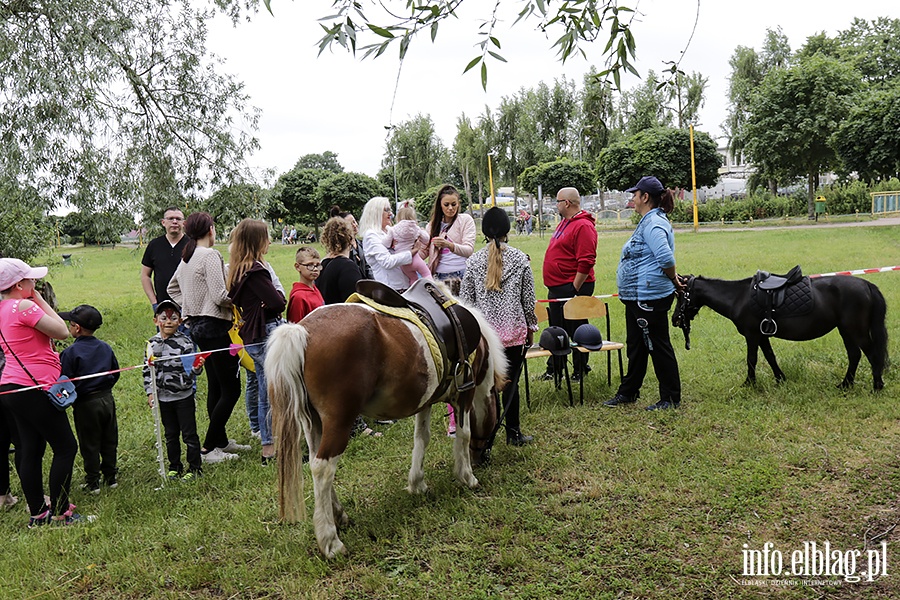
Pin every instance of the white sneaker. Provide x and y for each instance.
(233, 446)
(216, 455)
(257, 434)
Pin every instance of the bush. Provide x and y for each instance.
(847, 198)
(762, 205)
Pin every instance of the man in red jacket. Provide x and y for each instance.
(569, 269)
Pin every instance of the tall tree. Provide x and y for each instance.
(597, 110)
(776, 50)
(555, 175)
(327, 161)
(350, 191)
(418, 152)
(643, 106)
(793, 116)
(510, 113)
(97, 91)
(746, 76)
(24, 229)
(296, 191)
(867, 141)
(873, 49)
(465, 152)
(664, 152)
(230, 204)
(686, 97)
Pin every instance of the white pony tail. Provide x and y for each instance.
(289, 403)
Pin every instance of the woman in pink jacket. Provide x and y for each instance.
(452, 238)
(452, 242)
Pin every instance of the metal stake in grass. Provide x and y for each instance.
(156, 418)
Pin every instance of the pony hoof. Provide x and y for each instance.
(845, 385)
(333, 549)
(416, 489)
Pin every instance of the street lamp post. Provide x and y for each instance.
(396, 195)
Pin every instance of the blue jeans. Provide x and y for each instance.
(251, 399)
(258, 353)
(446, 276)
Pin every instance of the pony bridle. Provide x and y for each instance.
(684, 312)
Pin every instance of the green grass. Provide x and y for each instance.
(607, 503)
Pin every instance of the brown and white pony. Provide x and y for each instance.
(344, 360)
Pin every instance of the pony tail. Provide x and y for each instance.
(291, 414)
(495, 266)
(878, 330)
(667, 201)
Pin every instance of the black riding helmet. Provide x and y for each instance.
(556, 341)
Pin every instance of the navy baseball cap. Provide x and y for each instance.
(85, 315)
(649, 184)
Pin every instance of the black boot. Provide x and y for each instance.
(667, 404)
(515, 437)
(620, 399)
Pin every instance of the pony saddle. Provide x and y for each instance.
(788, 295)
(455, 328)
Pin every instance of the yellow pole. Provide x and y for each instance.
(491, 179)
(694, 180)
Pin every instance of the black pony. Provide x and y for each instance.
(855, 306)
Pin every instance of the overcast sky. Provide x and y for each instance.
(312, 103)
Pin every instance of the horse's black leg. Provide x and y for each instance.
(853, 355)
(766, 346)
(752, 356)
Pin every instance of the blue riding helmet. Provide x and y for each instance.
(588, 336)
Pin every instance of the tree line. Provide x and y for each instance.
(117, 108)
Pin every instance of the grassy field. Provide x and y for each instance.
(607, 503)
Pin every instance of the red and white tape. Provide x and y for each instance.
(858, 272)
(836, 273)
(232, 349)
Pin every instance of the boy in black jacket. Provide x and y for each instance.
(95, 408)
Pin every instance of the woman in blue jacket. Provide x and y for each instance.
(647, 285)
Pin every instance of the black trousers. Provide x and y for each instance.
(656, 314)
(37, 424)
(179, 419)
(98, 435)
(223, 378)
(555, 314)
(7, 429)
(511, 394)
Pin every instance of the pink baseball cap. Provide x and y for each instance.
(13, 270)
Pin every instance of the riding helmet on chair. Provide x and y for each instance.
(588, 336)
(556, 341)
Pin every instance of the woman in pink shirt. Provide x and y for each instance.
(29, 324)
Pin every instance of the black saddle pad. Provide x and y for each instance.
(792, 300)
